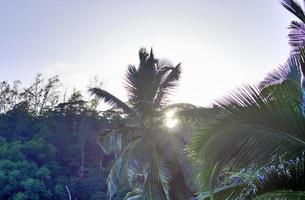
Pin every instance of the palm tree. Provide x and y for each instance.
(255, 127)
(148, 157)
(251, 128)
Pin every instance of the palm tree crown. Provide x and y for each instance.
(148, 157)
(148, 86)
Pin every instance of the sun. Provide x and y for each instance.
(171, 123)
(170, 120)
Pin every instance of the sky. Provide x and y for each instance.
(222, 44)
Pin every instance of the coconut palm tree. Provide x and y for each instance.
(148, 158)
(255, 126)
(251, 128)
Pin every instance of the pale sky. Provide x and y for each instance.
(221, 44)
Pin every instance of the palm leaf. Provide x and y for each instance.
(132, 83)
(282, 195)
(225, 192)
(168, 84)
(135, 194)
(295, 8)
(119, 175)
(296, 35)
(252, 128)
(115, 140)
(278, 181)
(288, 175)
(162, 172)
(110, 99)
(142, 166)
(289, 71)
(301, 59)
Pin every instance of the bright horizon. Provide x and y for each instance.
(221, 44)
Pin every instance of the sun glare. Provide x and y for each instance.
(171, 123)
(170, 120)
(170, 114)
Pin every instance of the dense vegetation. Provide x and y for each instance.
(48, 148)
(249, 145)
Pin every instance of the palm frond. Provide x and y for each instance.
(148, 84)
(162, 172)
(250, 145)
(168, 84)
(252, 127)
(114, 141)
(284, 180)
(295, 8)
(119, 175)
(252, 154)
(299, 195)
(110, 99)
(142, 166)
(133, 85)
(289, 71)
(135, 194)
(225, 192)
(301, 59)
(141, 84)
(296, 35)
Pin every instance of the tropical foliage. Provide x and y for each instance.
(249, 145)
(148, 155)
(259, 133)
(48, 148)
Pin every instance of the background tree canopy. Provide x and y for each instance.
(48, 147)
